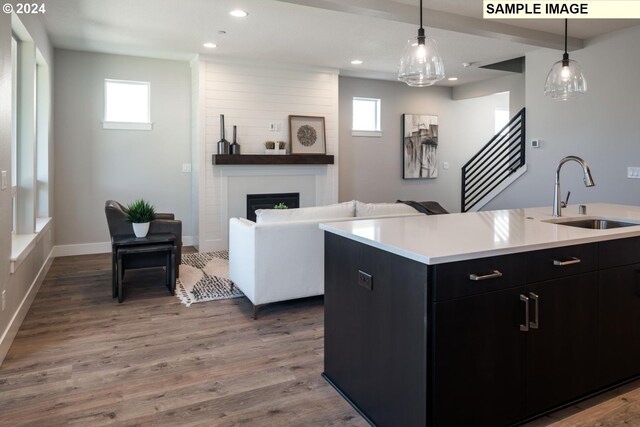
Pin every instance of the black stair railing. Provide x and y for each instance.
(494, 163)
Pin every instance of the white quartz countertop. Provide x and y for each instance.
(439, 239)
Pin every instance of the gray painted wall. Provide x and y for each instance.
(371, 168)
(514, 84)
(95, 164)
(602, 127)
(21, 285)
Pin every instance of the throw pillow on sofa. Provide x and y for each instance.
(339, 210)
(377, 209)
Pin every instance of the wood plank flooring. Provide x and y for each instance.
(82, 359)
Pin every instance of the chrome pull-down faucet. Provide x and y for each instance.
(588, 181)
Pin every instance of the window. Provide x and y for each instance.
(43, 112)
(14, 131)
(366, 117)
(127, 105)
(30, 111)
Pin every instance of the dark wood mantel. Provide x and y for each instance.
(267, 159)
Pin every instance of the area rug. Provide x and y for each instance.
(205, 277)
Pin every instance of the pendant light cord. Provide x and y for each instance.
(565, 35)
(565, 57)
(421, 36)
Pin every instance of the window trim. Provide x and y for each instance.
(377, 132)
(147, 125)
(367, 133)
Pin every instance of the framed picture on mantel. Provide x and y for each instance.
(307, 135)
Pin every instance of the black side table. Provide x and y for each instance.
(154, 250)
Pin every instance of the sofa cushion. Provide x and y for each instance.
(339, 210)
(376, 209)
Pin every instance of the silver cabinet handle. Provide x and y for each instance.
(536, 313)
(525, 327)
(493, 275)
(570, 261)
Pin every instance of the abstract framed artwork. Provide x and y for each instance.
(307, 135)
(419, 146)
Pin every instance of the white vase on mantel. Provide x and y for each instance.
(140, 229)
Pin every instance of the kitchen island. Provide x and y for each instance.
(487, 318)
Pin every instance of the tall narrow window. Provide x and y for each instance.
(14, 132)
(43, 111)
(127, 105)
(366, 117)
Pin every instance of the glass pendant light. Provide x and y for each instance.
(565, 80)
(421, 64)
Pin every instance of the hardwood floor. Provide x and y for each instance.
(82, 359)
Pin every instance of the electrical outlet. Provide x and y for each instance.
(445, 165)
(4, 180)
(535, 143)
(365, 280)
(4, 299)
(633, 172)
(186, 167)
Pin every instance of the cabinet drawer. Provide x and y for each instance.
(477, 276)
(561, 262)
(619, 252)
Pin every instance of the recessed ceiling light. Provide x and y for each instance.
(356, 62)
(238, 13)
(210, 45)
(452, 79)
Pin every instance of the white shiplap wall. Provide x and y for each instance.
(251, 98)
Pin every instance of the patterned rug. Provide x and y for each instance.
(205, 277)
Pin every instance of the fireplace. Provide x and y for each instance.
(268, 201)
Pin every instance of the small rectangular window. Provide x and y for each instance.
(366, 117)
(127, 105)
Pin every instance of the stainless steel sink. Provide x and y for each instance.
(593, 223)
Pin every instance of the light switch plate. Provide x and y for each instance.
(4, 180)
(275, 126)
(445, 165)
(633, 172)
(535, 143)
(186, 167)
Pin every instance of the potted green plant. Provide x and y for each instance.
(270, 147)
(140, 213)
(282, 147)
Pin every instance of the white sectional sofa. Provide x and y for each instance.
(281, 255)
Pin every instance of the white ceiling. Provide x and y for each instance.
(325, 33)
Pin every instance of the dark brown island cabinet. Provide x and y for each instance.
(410, 344)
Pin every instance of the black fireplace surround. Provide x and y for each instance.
(268, 201)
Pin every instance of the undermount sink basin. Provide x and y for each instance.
(592, 223)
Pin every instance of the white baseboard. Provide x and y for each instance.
(97, 248)
(81, 249)
(12, 329)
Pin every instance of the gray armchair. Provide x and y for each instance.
(163, 223)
